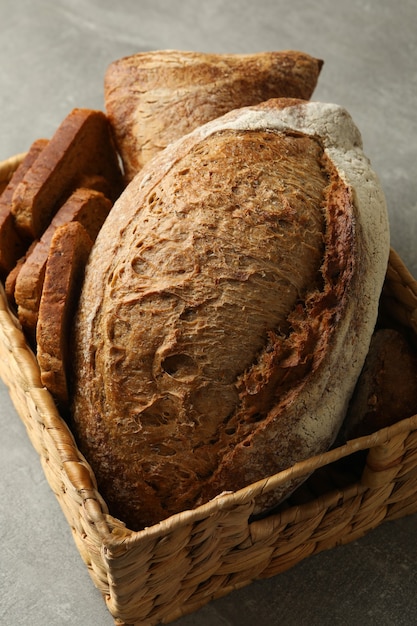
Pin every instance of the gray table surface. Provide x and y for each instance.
(53, 55)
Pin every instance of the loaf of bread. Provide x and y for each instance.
(386, 391)
(227, 308)
(153, 98)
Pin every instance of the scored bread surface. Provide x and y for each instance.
(227, 308)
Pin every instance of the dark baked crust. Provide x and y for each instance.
(386, 391)
(153, 98)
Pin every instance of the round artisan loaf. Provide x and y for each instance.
(227, 309)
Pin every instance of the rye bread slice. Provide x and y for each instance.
(12, 244)
(68, 255)
(81, 146)
(87, 206)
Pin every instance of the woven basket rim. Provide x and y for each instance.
(302, 468)
(113, 532)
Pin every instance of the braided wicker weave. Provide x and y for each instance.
(175, 567)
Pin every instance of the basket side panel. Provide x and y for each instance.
(176, 569)
(54, 443)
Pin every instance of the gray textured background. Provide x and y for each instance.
(53, 56)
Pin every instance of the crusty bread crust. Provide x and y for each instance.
(386, 389)
(197, 367)
(153, 98)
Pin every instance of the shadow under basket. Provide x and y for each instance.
(175, 567)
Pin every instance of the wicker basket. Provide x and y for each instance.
(175, 567)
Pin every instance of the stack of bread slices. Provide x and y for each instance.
(56, 201)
